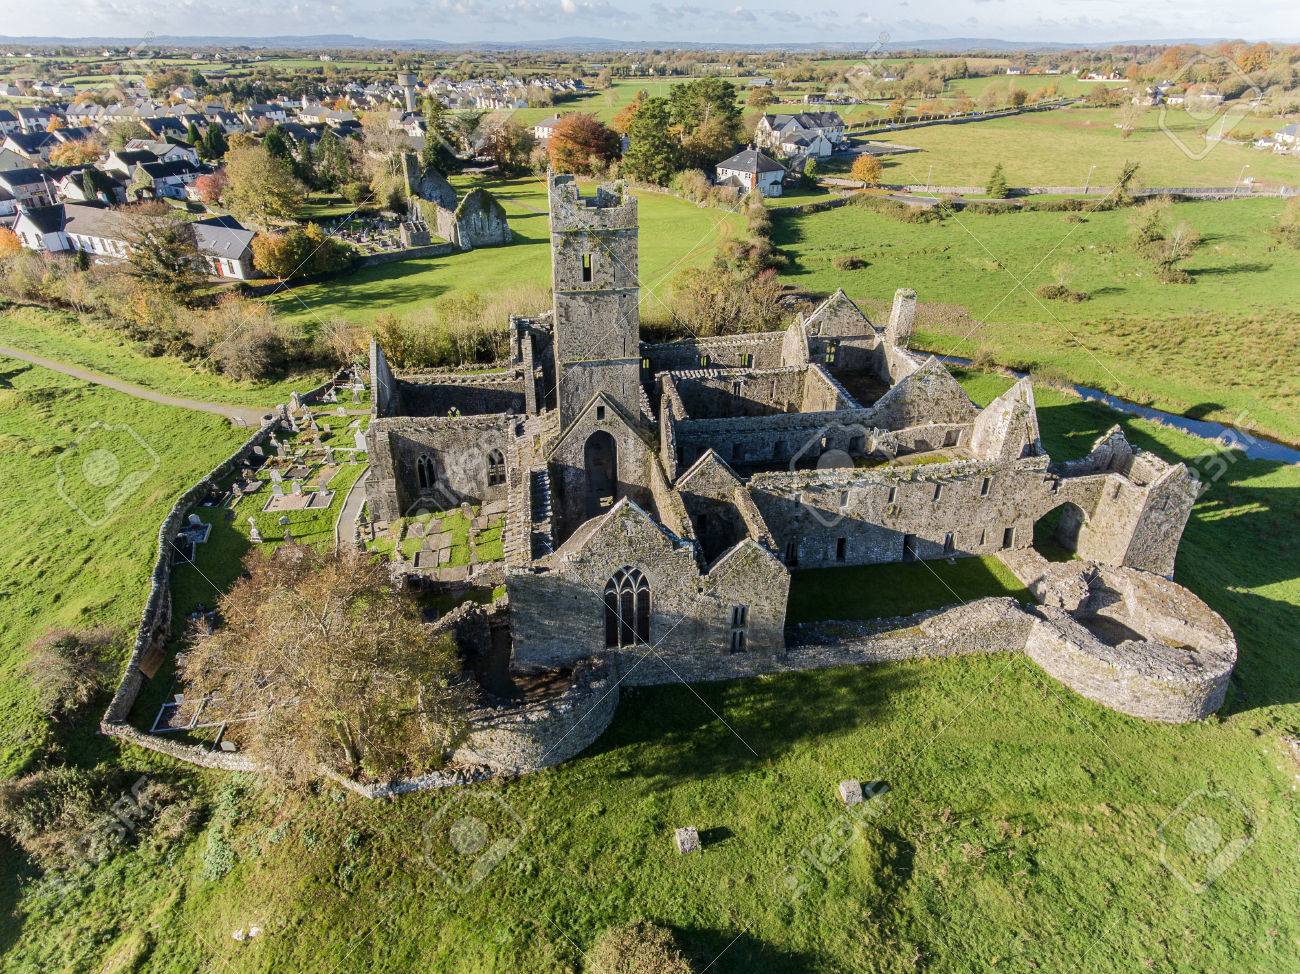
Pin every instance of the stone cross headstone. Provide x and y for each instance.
(687, 840)
(329, 454)
(254, 535)
(340, 411)
(295, 402)
(288, 532)
(331, 396)
(356, 392)
(280, 450)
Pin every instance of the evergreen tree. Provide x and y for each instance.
(439, 136)
(214, 142)
(997, 184)
(653, 153)
(274, 143)
(333, 164)
(305, 166)
(192, 136)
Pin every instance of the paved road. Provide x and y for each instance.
(252, 415)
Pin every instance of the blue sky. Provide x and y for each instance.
(736, 21)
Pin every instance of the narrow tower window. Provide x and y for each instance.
(586, 268)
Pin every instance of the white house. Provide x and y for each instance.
(822, 131)
(544, 129)
(8, 122)
(41, 228)
(751, 171)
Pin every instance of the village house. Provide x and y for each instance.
(103, 234)
(750, 170)
(544, 129)
(812, 134)
(8, 122)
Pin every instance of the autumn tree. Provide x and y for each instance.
(622, 123)
(261, 188)
(300, 252)
(210, 186)
(580, 143)
(80, 153)
(336, 661)
(9, 242)
(67, 668)
(866, 169)
(162, 250)
(507, 143)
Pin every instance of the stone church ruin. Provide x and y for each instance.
(656, 497)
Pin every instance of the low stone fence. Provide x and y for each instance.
(155, 623)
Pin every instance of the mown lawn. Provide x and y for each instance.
(65, 443)
(674, 235)
(1060, 147)
(1024, 827)
(64, 337)
(1222, 347)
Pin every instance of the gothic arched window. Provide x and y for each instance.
(496, 468)
(424, 472)
(627, 609)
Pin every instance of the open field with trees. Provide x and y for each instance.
(674, 234)
(1023, 825)
(1059, 147)
(1221, 347)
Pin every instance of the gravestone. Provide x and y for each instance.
(359, 440)
(276, 476)
(687, 840)
(297, 488)
(851, 792)
(277, 490)
(254, 535)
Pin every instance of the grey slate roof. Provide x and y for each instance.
(751, 161)
(222, 236)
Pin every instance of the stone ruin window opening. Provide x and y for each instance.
(841, 549)
(951, 437)
(909, 547)
(600, 413)
(792, 553)
(627, 609)
(737, 387)
(586, 268)
(739, 628)
(984, 486)
(938, 491)
(778, 450)
(984, 533)
(496, 467)
(737, 452)
(645, 365)
(704, 361)
(747, 361)
(858, 443)
(832, 347)
(424, 472)
(948, 544)
(893, 495)
(1008, 537)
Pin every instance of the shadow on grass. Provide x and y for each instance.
(671, 734)
(723, 950)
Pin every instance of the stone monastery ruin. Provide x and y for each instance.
(657, 496)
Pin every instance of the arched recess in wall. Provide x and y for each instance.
(496, 468)
(424, 472)
(627, 609)
(1056, 533)
(600, 459)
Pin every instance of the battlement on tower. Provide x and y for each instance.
(611, 208)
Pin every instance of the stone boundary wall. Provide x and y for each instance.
(156, 620)
(870, 129)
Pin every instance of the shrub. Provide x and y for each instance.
(68, 668)
(635, 948)
(58, 816)
(866, 169)
(300, 252)
(243, 339)
(1059, 292)
(849, 262)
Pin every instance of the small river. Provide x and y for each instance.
(1253, 445)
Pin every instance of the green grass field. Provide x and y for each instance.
(57, 569)
(604, 104)
(66, 338)
(674, 235)
(1222, 347)
(1024, 828)
(1060, 147)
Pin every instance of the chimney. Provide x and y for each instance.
(902, 319)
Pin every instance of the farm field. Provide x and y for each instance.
(607, 103)
(63, 337)
(1222, 347)
(674, 234)
(1060, 147)
(1023, 826)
